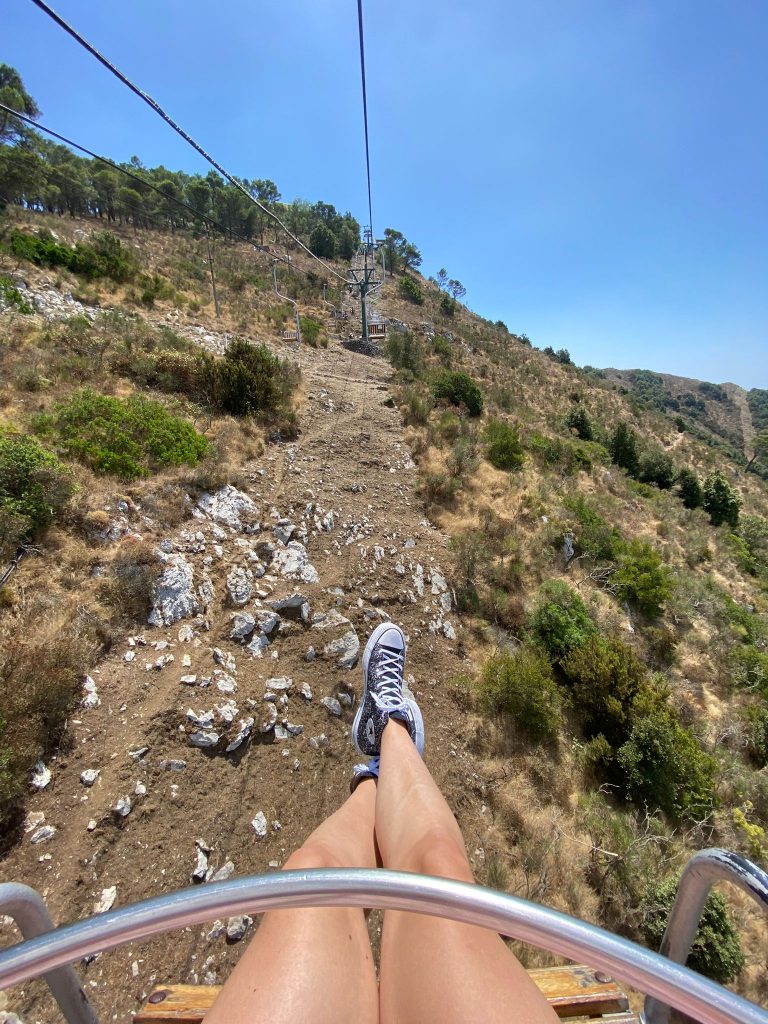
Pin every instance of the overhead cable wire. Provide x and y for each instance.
(226, 232)
(169, 120)
(365, 111)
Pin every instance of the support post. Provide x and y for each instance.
(213, 274)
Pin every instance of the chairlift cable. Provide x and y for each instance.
(365, 111)
(169, 120)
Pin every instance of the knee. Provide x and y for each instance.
(438, 852)
(314, 854)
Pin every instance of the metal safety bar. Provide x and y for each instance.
(30, 913)
(669, 982)
(701, 872)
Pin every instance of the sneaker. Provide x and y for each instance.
(383, 669)
(364, 771)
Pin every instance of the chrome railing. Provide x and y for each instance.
(701, 872)
(668, 982)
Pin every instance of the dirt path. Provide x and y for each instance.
(375, 556)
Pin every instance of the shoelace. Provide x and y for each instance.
(388, 675)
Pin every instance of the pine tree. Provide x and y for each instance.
(721, 500)
(624, 449)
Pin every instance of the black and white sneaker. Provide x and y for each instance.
(364, 771)
(383, 671)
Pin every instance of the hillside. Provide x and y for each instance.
(589, 653)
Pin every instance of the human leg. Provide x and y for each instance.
(433, 970)
(312, 965)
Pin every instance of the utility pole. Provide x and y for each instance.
(213, 275)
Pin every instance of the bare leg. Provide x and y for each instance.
(313, 966)
(434, 970)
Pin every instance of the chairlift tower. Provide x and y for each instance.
(364, 279)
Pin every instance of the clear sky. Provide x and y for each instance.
(594, 171)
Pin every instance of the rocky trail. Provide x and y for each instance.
(213, 741)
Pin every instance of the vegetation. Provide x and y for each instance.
(691, 491)
(502, 445)
(408, 288)
(103, 256)
(624, 448)
(721, 501)
(406, 352)
(520, 684)
(642, 579)
(34, 487)
(249, 381)
(127, 437)
(560, 622)
(459, 389)
(716, 951)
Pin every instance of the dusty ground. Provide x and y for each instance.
(350, 436)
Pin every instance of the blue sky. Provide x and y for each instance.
(593, 171)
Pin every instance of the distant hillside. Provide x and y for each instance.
(718, 414)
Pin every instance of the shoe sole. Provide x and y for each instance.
(373, 639)
(418, 722)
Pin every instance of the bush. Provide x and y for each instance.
(11, 296)
(642, 579)
(578, 420)
(756, 733)
(405, 352)
(447, 304)
(594, 537)
(560, 621)
(126, 437)
(721, 501)
(520, 683)
(664, 767)
(691, 491)
(442, 349)
(458, 388)
(311, 330)
(34, 486)
(607, 676)
(409, 289)
(249, 380)
(502, 445)
(716, 952)
(104, 256)
(322, 242)
(656, 468)
(623, 447)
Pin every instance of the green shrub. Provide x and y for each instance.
(448, 304)
(716, 952)
(249, 380)
(749, 667)
(442, 349)
(664, 767)
(756, 733)
(311, 331)
(578, 421)
(502, 445)
(656, 468)
(560, 621)
(104, 256)
(520, 683)
(594, 537)
(606, 676)
(11, 296)
(408, 288)
(623, 447)
(642, 579)
(570, 455)
(405, 352)
(34, 486)
(458, 388)
(691, 491)
(126, 437)
(721, 501)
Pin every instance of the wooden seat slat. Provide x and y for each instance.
(572, 991)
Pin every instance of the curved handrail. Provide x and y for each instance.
(702, 871)
(391, 890)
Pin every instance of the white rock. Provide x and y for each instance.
(189, 679)
(106, 901)
(332, 706)
(41, 776)
(319, 742)
(33, 820)
(259, 825)
(91, 698)
(243, 624)
(91, 826)
(123, 807)
(174, 596)
(218, 928)
(237, 927)
(279, 684)
(306, 691)
(89, 776)
(201, 862)
(172, 764)
(129, 655)
(292, 561)
(204, 738)
(230, 507)
(225, 659)
(224, 682)
(345, 648)
(269, 720)
(223, 873)
(239, 585)
(246, 726)
(140, 789)
(42, 834)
